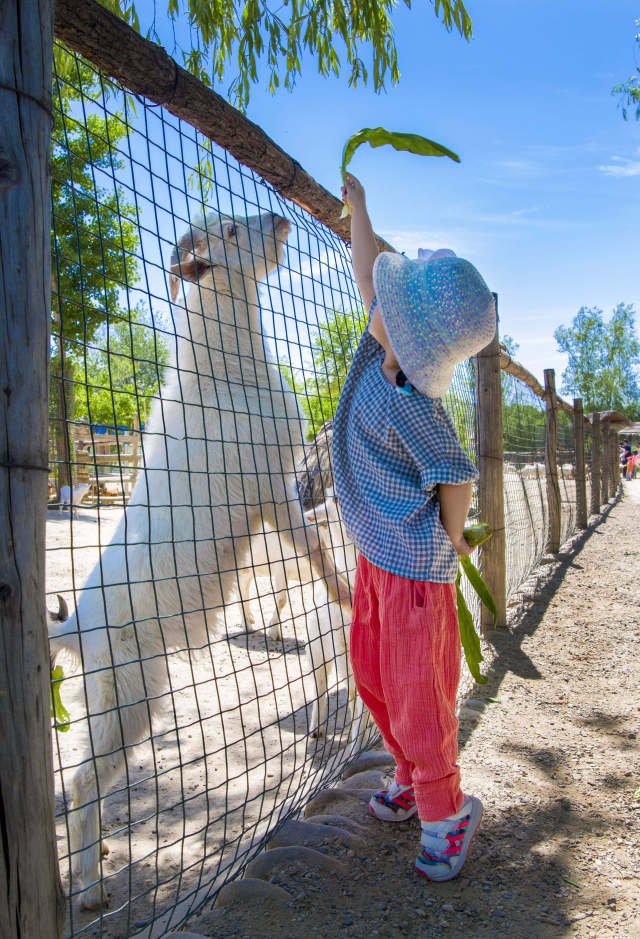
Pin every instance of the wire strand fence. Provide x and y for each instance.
(202, 326)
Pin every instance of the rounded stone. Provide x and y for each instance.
(305, 833)
(240, 892)
(369, 760)
(340, 821)
(332, 799)
(369, 779)
(271, 861)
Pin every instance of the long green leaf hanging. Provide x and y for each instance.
(399, 140)
(474, 535)
(59, 712)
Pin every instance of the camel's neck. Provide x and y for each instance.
(222, 335)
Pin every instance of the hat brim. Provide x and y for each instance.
(436, 314)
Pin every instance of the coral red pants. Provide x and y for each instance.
(405, 654)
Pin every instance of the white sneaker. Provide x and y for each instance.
(445, 844)
(395, 804)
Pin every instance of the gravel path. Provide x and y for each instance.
(551, 747)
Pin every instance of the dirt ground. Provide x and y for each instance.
(550, 744)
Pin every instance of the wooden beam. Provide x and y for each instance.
(595, 463)
(605, 467)
(31, 900)
(581, 482)
(491, 484)
(551, 462)
(146, 69)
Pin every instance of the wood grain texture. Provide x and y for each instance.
(491, 483)
(31, 903)
(551, 461)
(581, 478)
(595, 462)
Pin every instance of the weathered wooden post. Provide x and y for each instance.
(551, 461)
(491, 485)
(604, 464)
(595, 463)
(581, 482)
(31, 902)
(615, 463)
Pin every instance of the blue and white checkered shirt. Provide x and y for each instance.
(390, 451)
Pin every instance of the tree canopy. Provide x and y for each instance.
(94, 235)
(629, 90)
(604, 359)
(241, 39)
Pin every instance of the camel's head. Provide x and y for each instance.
(250, 246)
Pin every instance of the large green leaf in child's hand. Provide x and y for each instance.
(479, 585)
(59, 712)
(468, 636)
(399, 140)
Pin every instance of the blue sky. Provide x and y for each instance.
(546, 200)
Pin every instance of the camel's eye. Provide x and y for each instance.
(230, 231)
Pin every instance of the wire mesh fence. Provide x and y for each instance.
(525, 499)
(201, 329)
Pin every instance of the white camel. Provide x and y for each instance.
(219, 456)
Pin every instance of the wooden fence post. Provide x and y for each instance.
(581, 482)
(491, 484)
(615, 463)
(551, 462)
(595, 463)
(604, 464)
(31, 901)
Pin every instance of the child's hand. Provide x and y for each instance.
(462, 546)
(353, 193)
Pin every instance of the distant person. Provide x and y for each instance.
(404, 486)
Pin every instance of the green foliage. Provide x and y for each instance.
(94, 236)
(379, 137)
(629, 91)
(474, 535)
(246, 37)
(318, 385)
(59, 713)
(125, 371)
(399, 140)
(603, 360)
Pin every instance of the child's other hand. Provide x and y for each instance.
(353, 193)
(462, 546)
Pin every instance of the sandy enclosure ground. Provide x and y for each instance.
(551, 746)
(232, 752)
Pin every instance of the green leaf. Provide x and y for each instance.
(399, 140)
(468, 636)
(59, 713)
(479, 585)
(477, 534)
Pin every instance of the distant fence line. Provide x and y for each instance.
(231, 755)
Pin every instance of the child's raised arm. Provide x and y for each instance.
(363, 242)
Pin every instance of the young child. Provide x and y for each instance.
(404, 485)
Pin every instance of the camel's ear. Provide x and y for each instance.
(189, 259)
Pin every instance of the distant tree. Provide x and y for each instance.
(241, 36)
(94, 235)
(510, 344)
(125, 370)
(604, 358)
(318, 384)
(629, 90)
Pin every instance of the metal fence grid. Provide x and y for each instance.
(197, 660)
(210, 693)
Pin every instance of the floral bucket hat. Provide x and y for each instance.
(437, 312)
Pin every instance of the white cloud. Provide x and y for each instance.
(621, 166)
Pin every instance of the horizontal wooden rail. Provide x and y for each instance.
(146, 69)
